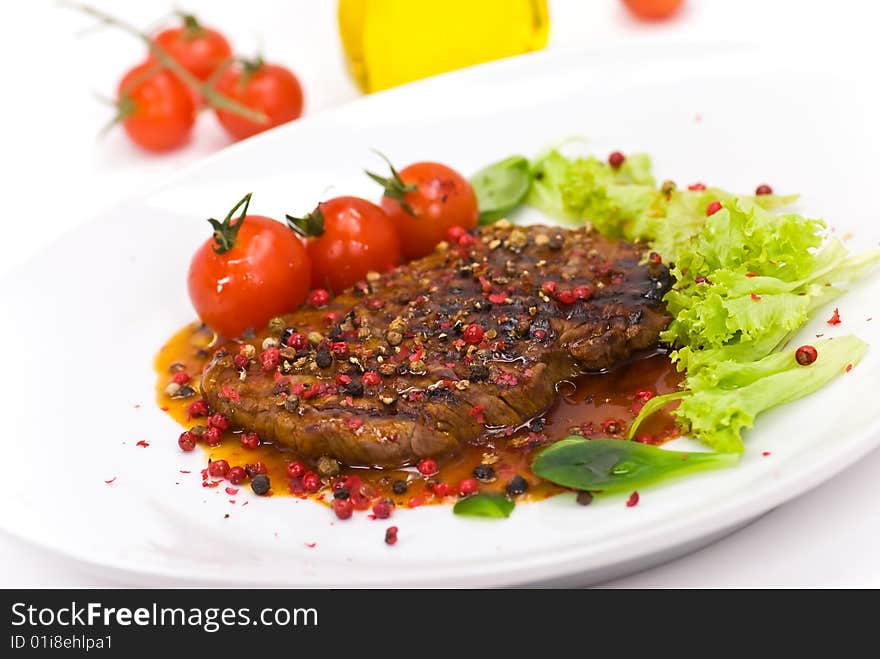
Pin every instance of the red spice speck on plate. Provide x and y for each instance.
(310, 545)
(110, 482)
(756, 297)
(232, 491)
(765, 453)
(633, 500)
(143, 443)
(848, 368)
(391, 535)
(835, 318)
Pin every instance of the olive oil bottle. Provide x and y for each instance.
(389, 42)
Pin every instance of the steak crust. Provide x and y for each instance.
(549, 304)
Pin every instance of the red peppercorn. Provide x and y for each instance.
(343, 379)
(835, 318)
(701, 279)
(256, 468)
(696, 187)
(806, 355)
(454, 234)
(360, 499)
(296, 469)
(440, 489)
(240, 360)
(566, 297)
(371, 379)
(383, 509)
(655, 258)
(583, 292)
(311, 482)
(763, 189)
(473, 334)
(297, 341)
(549, 287)
(218, 421)
(713, 208)
(270, 358)
(236, 475)
(218, 468)
(198, 408)
(612, 426)
(186, 441)
(180, 378)
(212, 436)
(318, 298)
(427, 467)
(468, 486)
(391, 535)
(343, 508)
(615, 159)
(466, 240)
(250, 440)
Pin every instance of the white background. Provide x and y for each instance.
(56, 174)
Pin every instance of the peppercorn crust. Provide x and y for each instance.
(469, 340)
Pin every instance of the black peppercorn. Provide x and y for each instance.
(484, 473)
(536, 424)
(399, 487)
(585, 498)
(260, 484)
(355, 387)
(517, 485)
(323, 359)
(341, 493)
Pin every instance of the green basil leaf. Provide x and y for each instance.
(501, 187)
(614, 465)
(484, 505)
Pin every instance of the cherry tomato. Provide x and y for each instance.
(155, 108)
(348, 237)
(266, 88)
(653, 10)
(424, 201)
(198, 49)
(252, 269)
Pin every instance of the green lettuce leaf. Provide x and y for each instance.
(725, 397)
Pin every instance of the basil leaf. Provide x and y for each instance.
(613, 465)
(501, 187)
(484, 505)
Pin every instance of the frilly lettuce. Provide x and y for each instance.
(746, 280)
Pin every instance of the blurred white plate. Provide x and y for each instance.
(83, 321)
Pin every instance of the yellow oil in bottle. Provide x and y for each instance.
(389, 42)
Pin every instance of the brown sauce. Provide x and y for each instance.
(595, 405)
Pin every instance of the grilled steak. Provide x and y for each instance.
(473, 337)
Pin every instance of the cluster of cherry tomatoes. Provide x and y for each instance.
(255, 268)
(190, 66)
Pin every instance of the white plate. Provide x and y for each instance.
(83, 321)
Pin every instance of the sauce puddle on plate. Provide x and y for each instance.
(593, 405)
